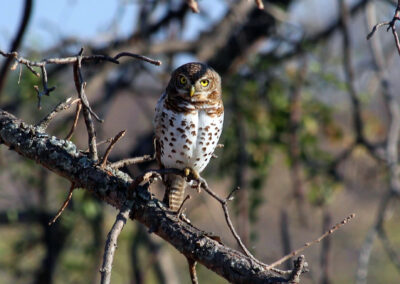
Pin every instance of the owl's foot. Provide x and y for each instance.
(193, 174)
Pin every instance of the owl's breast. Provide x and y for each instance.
(188, 139)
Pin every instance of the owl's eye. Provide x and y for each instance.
(182, 80)
(204, 83)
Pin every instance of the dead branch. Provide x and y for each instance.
(111, 146)
(87, 114)
(46, 90)
(327, 233)
(44, 123)
(137, 56)
(111, 244)
(224, 203)
(65, 204)
(192, 271)
(112, 186)
(75, 123)
(260, 4)
(181, 208)
(391, 25)
(132, 161)
(193, 6)
(75, 60)
(80, 84)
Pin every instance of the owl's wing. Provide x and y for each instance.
(157, 127)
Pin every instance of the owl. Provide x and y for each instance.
(188, 123)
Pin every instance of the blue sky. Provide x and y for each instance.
(63, 18)
(83, 19)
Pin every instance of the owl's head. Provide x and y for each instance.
(195, 82)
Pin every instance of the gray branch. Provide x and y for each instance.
(111, 245)
(112, 186)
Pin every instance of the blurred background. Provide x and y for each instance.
(306, 121)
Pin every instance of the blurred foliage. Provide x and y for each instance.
(263, 101)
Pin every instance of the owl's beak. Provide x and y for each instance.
(192, 90)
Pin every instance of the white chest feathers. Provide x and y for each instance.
(187, 140)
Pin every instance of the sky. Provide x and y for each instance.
(83, 19)
(52, 20)
(95, 19)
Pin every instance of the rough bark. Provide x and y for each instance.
(111, 186)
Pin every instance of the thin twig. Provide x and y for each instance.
(396, 38)
(102, 142)
(180, 210)
(224, 204)
(306, 245)
(75, 123)
(391, 26)
(231, 195)
(132, 161)
(376, 27)
(46, 90)
(44, 123)
(260, 4)
(80, 87)
(111, 244)
(65, 204)
(111, 146)
(137, 56)
(193, 6)
(192, 270)
(76, 60)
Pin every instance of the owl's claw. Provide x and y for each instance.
(191, 172)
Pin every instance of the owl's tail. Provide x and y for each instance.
(175, 191)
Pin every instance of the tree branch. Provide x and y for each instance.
(111, 245)
(63, 158)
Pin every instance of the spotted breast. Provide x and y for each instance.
(187, 140)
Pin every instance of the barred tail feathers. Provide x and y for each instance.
(175, 191)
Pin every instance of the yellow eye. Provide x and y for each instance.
(204, 83)
(182, 80)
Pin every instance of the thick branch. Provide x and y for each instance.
(63, 158)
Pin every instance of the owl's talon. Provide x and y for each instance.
(191, 172)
